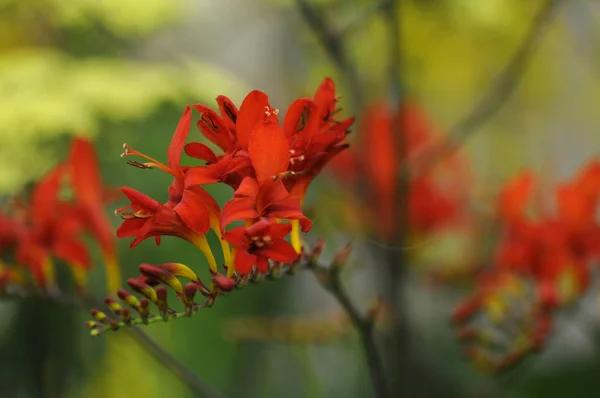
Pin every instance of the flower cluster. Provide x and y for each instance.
(268, 165)
(48, 227)
(435, 194)
(541, 264)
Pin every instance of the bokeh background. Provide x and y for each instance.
(121, 71)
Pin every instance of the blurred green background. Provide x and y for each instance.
(121, 71)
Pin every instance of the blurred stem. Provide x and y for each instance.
(199, 387)
(500, 90)
(364, 326)
(400, 365)
(332, 42)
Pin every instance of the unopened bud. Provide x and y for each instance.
(113, 305)
(125, 315)
(224, 283)
(161, 300)
(142, 288)
(316, 251)
(144, 309)
(98, 315)
(91, 324)
(162, 275)
(180, 270)
(341, 257)
(128, 298)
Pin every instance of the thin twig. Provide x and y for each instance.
(334, 46)
(363, 325)
(198, 386)
(500, 90)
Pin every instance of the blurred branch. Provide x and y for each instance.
(198, 386)
(329, 278)
(332, 41)
(501, 89)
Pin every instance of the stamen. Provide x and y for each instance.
(276, 111)
(140, 165)
(152, 164)
(122, 209)
(285, 174)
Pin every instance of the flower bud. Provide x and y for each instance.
(99, 316)
(125, 315)
(128, 298)
(144, 309)
(162, 275)
(113, 305)
(341, 257)
(224, 283)
(316, 251)
(180, 270)
(161, 300)
(142, 288)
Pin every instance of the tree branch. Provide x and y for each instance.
(329, 278)
(332, 42)
(501, 89)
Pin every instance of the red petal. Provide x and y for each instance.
(269, 151)
(325, 95)
(262, 264)
(238, 209)
(202, 175)
(85, 177)
(130, 227)
(213, 127)
(179, 139)
(279, 230)
(270, 193)
(244, 261)
(228, 110)
(297, 116)
(261, 227)
(279, 250)
(248, 188)
(45, 196)
(236, 237)
(85, 174)
(72, 252)
(515, 196)
(251, 112)
(193, 212)
(139, 199)
(200, 151)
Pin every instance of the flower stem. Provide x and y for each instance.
(363, 325)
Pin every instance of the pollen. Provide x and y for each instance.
(276, 111)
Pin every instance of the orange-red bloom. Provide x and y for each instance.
(372, 169)
(257, 244)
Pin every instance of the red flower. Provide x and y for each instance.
(435, 195)
(191, 203)
(90, 195)
(258, 243)
(54, 230)
(315, 137)
(146, 217)
(263, 197)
